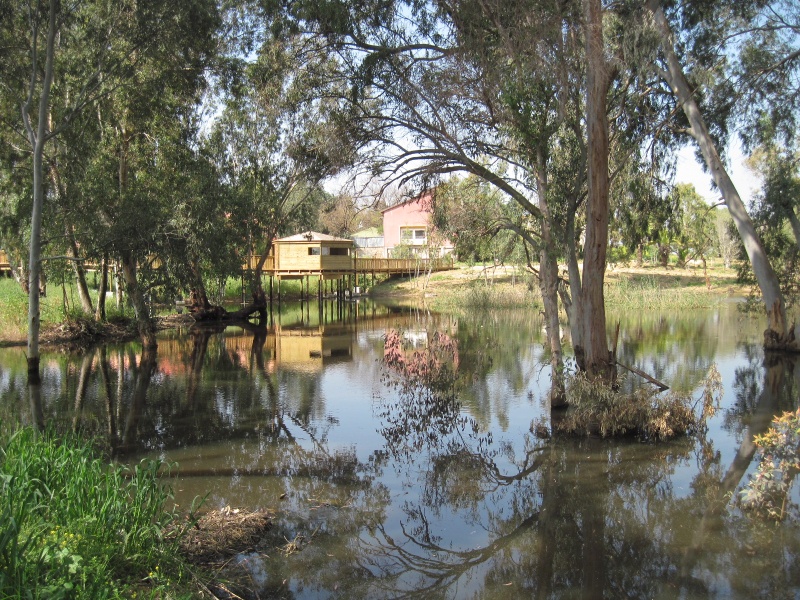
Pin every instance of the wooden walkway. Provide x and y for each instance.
(360, 266)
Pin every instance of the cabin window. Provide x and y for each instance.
(414, 235)
(340, 251)
(313, 251)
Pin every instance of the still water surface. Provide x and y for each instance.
(303, 418)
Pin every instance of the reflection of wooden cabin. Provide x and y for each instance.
(309, 348)
(312, 252)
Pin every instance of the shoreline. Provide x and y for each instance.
(464, 288)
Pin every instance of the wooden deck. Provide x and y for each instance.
(358, 266)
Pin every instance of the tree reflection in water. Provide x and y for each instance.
(452, 500)
(568, 517)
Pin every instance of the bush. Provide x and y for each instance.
(74, 526)
(767, 492)
(598, 408)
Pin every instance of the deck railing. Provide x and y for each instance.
(367, 265)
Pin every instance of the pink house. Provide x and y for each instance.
(407, 229)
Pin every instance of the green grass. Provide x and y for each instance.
(59, 305)
(73, 526)
(647, 292)
(476, 295)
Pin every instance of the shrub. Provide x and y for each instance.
(767, 492)
(599, 408)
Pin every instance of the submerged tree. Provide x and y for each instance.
(700, 29)
(66, 58)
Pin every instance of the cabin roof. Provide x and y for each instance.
(312, 236)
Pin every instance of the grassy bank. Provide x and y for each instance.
(466, 288)
(56, 308)
(470, 288)
(73, 526)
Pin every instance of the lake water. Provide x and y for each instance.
(389, 496)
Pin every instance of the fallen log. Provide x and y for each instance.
(661, 385)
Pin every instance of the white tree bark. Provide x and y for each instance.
(38, 138)
(779, 335)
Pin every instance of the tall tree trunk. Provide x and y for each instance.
(573, 307)
(80, 272)
(198, 296)
(778, 336)
(100, 313)
(548, 283)
(38, 139)
(140, 307)
(593, 312)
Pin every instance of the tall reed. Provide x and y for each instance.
(647, 293)
(74, 526)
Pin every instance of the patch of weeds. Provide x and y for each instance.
(74, 526)
(647, 292)
(601, 409)
(478, 296)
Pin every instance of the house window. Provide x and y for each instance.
(313, 251)
(340, 251)
(417, 236)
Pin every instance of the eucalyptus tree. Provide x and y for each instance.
(773, 209)
(695, 34)
(499, 90)
(695, 236)
(470, 212)
(280, 134)
(63, 58)
(428, 102)
(779, 198)
(769, 61)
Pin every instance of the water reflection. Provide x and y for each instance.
(297, 416)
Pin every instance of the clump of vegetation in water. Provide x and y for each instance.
(72, 526)
(767, 493)
(598, 408)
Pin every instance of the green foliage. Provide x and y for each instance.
(647, 293)
(694, 234)
(14, 310)
(75, 527)
(766, 494)
(775, 213)
(471, 213)
(598, 408)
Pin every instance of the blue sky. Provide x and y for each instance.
(690, 171)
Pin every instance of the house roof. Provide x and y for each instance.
(312, 236)
(422, 196)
